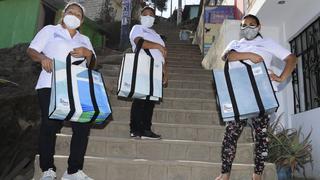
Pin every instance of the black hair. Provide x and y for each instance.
(148, 8)
(255, 19)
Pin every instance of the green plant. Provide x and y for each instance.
(4, 81)
(289, 147)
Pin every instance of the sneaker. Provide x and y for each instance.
(135, 135)
(80, 175)
(50, 174)
(150, 135)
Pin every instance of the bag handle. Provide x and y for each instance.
(231, 92)
(255, 88)
(135, 67)
(70, 90)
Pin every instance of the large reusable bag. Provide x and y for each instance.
(78, 93)
(244, 92)
(140, 75)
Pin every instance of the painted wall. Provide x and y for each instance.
(18, 21)
(310, 121)
(302, 18)
(239, 9)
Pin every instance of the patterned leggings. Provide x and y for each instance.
(231, 136)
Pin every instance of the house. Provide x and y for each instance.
(295, 24)
(21, 20)
(189, 12)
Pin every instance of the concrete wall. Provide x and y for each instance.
(289, 20)
(302, 18)
(310, 121)
(93, 8)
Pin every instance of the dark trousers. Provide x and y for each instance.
(47, 139)
(141, 115)
(231, 136)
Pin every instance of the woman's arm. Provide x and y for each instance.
(237, 56)
(152, 45)
(291, 62)
(45, 62)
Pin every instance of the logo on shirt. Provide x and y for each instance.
(83, 43)
(58, 36)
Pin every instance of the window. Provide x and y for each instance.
(306, 77)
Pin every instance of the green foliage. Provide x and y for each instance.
(289, 147)
(161, 5)
(4, 81)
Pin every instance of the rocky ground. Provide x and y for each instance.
(19, 113)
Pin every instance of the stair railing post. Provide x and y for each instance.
(125, 24)
(179, 12)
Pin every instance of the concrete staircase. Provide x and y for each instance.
(187, 119)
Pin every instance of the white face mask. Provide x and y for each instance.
(71, 21)
(249, 33)
(147, 21)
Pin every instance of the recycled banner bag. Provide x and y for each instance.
(140, 75)
(244, 92)
(78, 94)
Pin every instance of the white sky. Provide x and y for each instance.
(175, 5)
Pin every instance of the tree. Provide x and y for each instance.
(161, 5)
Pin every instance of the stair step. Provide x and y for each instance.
(174, 76)
(196, 65)
(197, 117)
(108, 168)
(185, 57)
(182, 84)
(175, 70)
(211, 133)
(172, 103)
(187, 93)
(163, 149)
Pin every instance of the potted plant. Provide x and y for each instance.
(289, 149)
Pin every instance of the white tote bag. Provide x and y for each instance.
(78, 94)
(244, 92)
(140, 75)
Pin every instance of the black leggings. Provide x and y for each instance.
(47, 139)
(231, 136)
(141, 115)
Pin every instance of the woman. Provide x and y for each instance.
(57, 42)
(142, 110)
(252, 48)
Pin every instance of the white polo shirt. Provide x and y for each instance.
(150, 35)
(265, 47)
(55, 42)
